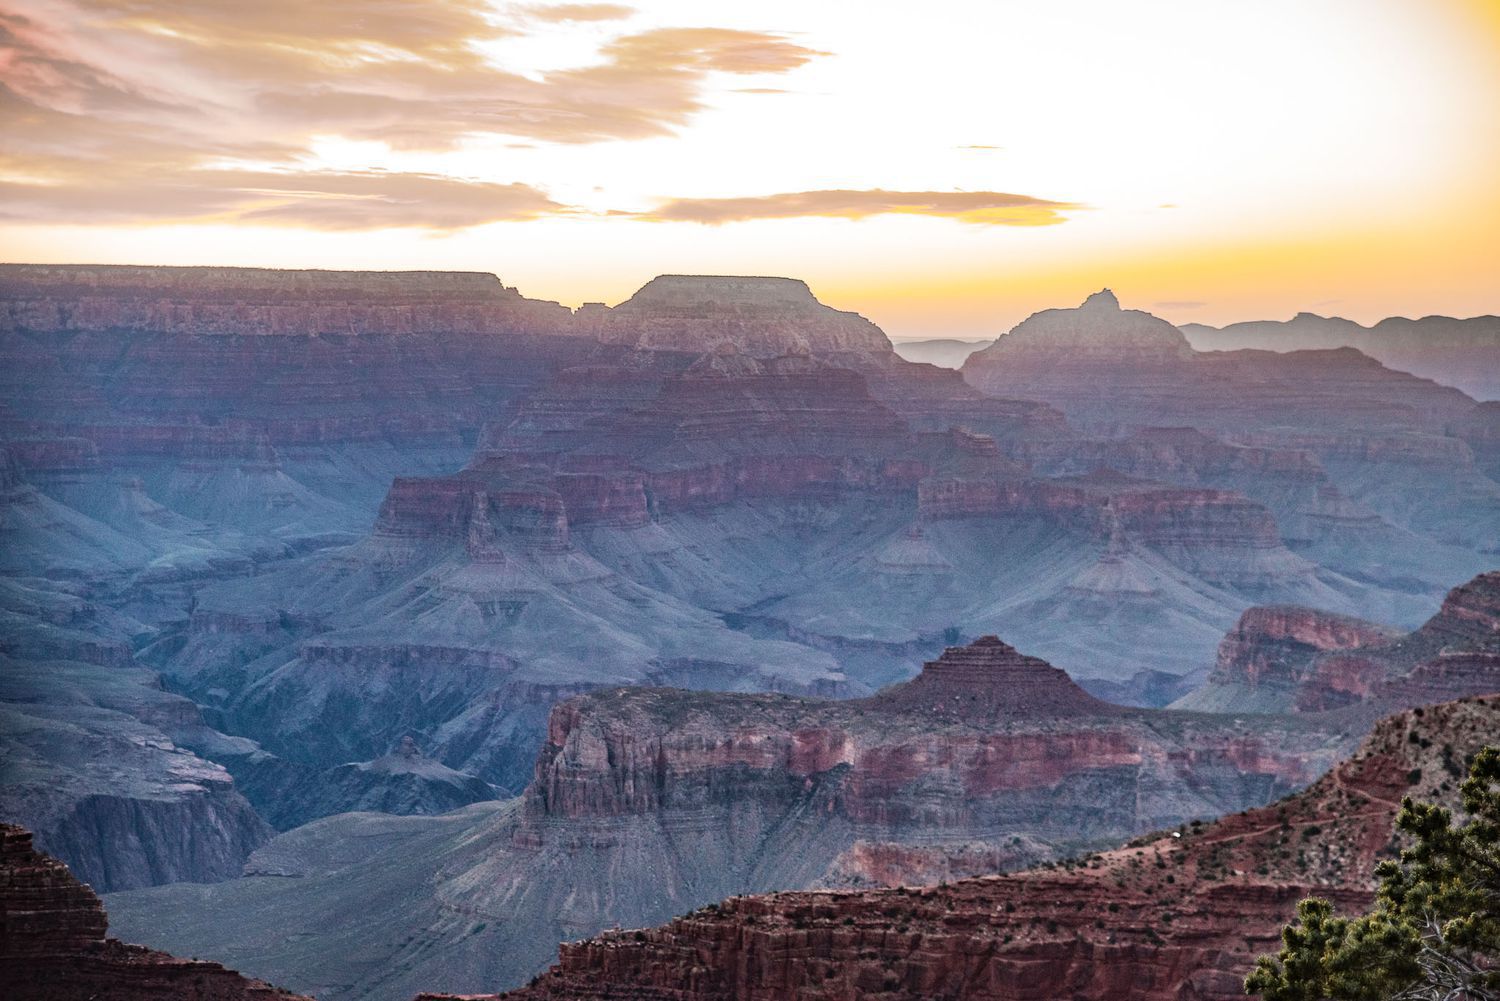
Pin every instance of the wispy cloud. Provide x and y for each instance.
(313, 199)
(580, 12)
(990, 208)
(144, 98)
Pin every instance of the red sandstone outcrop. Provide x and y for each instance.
(1282, 658)
(53, 945)
(1273, 645)
(1177, 916)
(727, 426)
(1002, 732)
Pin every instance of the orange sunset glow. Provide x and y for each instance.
(944, 169)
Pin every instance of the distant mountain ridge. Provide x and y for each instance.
(1464, 353)
(945, 352)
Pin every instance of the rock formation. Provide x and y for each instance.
(404, 782)
(90, 766)
(1285, 659)
(1174, 915)
(53, 945)
(1110, 368)
(225, 363)
(260, 302)
(646, 802)
(760, 317)
(331, 510)
(1461, 353)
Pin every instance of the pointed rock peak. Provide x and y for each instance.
(1102, 300)
(990, 676)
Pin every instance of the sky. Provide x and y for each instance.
(944, 168)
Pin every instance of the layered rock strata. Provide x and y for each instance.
(649, 802)
(1174, 916)
(1279, 659)
(1111, 369)
(53, 944)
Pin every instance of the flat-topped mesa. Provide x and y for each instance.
(762, 317)
(990, 677)
(265, 301)
(1097, 330)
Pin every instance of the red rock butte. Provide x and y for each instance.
(990, 678)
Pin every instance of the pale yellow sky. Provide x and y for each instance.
(944, 168)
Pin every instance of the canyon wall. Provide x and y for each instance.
(53, 945)
(1172, 916)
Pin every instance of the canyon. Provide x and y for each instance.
(1178, 914)
(606, 614)
(648, 802)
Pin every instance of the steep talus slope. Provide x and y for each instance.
(649, 802)
(53, 945)
(1180, 916)
(1299, 659)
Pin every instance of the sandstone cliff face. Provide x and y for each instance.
(1270, 645)
(1215, 535)
(650, 802)
(1181, 916)
(53, 945)
(220, 362)
(1280, 658)
(984, 739)
(137, 816)
(88, 760)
